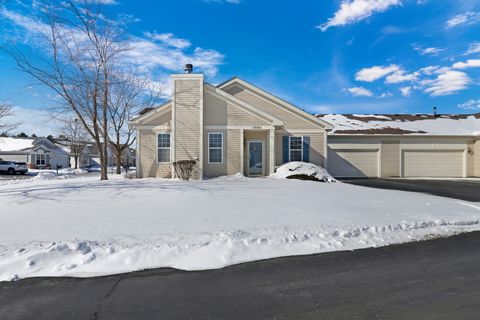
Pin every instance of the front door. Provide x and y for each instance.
(255, 158)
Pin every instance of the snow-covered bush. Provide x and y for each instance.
(130, 175)
(303, 171)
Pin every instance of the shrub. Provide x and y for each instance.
(304, 177)
(184, 168)
(130, 175)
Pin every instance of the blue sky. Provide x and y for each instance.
(326, 56)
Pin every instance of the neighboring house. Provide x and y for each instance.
(404, 145)
(36, 152)
(236, 127)
(230, 128)
(89, 156)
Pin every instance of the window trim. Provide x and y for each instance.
(38, 157)
(290, 149)
(215, 148)
(164, 148)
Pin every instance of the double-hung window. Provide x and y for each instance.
(163, 147)
(215, 147)
(296, 148)
(40, 159)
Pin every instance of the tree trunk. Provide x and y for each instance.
(118, 160)
(76, 161)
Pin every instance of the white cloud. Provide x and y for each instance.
(406, 91)
(155, 53)
(385, 95)
(38, 121)
(431, 51)
(473, 47)
(446, 83)
(376, 72)
(401, 76)
(470, 105)
(471, 63)
(352, 11)
(359, 92)
(169, 39)
(467, 18)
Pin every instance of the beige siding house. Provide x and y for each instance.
(236, 127)
(231, 128)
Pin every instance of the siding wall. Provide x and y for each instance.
(292, 121)
(188, 117)
(317, 146)
(148, 166)
(234, 139)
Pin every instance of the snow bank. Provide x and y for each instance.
(303, 168)
(86, 227)
(67, 173)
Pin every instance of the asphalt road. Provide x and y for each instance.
(436, 279)
(468, 190)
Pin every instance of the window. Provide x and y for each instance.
(40, 159)
(296, 149)
(215, 147)
(163, 147)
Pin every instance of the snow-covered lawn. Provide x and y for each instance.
(83, 227)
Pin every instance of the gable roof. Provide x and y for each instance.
(242, 104)
(276, 100)
(404, 124)
(149, 112)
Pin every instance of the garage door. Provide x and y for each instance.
(428, 163)
(353, 163)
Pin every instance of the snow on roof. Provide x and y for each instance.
(463, 124)
(15, 144)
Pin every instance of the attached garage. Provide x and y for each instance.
(355, 163)
(433, 163)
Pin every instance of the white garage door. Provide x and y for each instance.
(353, 163)
(428, 163)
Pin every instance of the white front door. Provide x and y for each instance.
(256, 157)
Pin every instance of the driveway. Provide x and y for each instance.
(467, 189)
(435, 279)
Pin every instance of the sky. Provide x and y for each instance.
(325, 56)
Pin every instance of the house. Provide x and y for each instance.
(230, 128)
(38, 153)
(404, 145)
(236, 127)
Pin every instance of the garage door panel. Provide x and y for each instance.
(353, 163)
(430, 163)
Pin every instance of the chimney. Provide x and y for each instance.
(187, 118)
(188, 68)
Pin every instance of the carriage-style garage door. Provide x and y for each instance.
(433, 163)
(353, 163)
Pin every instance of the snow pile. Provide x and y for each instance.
(72, 171)
(67, 173)
(86, 227)
(303, 168)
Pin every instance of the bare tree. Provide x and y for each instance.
(129, 94)
(83, 50)
(75, 137)
(6, 124)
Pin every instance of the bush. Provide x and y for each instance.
(130, 175)
(304, 177)
(184, 168)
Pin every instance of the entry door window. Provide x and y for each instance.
(255, 159)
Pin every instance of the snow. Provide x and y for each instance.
(15, 144)
(66, 173)
(438, 126)
(302, 168)
(85, 227)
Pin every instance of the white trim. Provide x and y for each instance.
(216, 148)
(158, 111)
(290, 150)
(242, 147)
(325, 151)
(159, 127)
(286, 105)
(244, 105)
(173, 137)
(263, 157)
(302, 131)
(164, 148)
(200, 151)
(251, 128)
(137, 155)
(271, 149)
